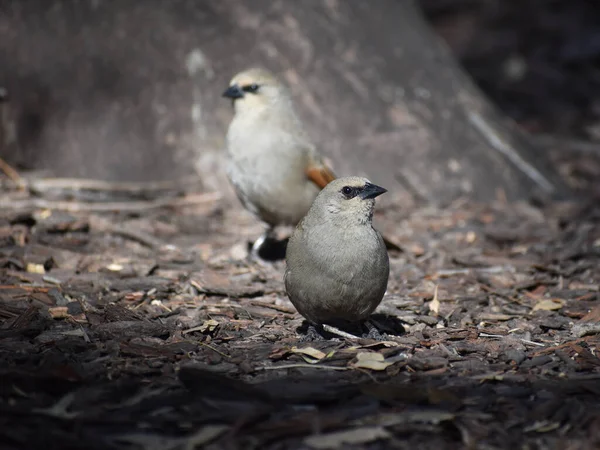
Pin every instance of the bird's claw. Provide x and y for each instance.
(373, 332)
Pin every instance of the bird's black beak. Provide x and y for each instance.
(233, 92)
(372, 191)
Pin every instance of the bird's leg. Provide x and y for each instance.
(373, 332)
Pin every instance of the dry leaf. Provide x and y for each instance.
(208, 325)
(340, 439)
(58, 312)
(495, 316)
(45, 213)
(494, 376)
(386, 344)
(551, 304)
(434, 305)
(35, 268)
(537, 292)
(371, 360)
(309, 354)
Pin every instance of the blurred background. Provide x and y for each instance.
(539, 60)
(131, 90)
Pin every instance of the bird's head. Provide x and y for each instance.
(348, 200)
(254, 90)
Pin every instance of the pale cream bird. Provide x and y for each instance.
(275, 169)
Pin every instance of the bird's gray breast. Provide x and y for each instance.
(348, 253)
(336, 274)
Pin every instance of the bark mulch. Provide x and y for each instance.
(135, 321)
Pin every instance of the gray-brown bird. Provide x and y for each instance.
(337, 263)
(275, 169)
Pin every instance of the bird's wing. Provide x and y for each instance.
(318, 172)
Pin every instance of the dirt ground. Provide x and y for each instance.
(148, 328)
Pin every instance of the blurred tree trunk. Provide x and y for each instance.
(131, 90)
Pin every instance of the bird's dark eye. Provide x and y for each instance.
(348, 192)
(250, 88)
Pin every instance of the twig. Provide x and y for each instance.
(302, 366)
(215, 350)
(334, 330)
(551, 348)
(10, 172)
(136, 206)
(25, 287)
(86, 337)
(493, 291)
(497, 141)
(60, 409)
(527, 341)
(134, 235)
(491, 270)
(77, 184)
(283, 309)
(499, 336)
(25, 318)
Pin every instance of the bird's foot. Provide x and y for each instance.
(373, 332)
(312, 334)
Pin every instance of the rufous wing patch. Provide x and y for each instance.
(320, 175)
